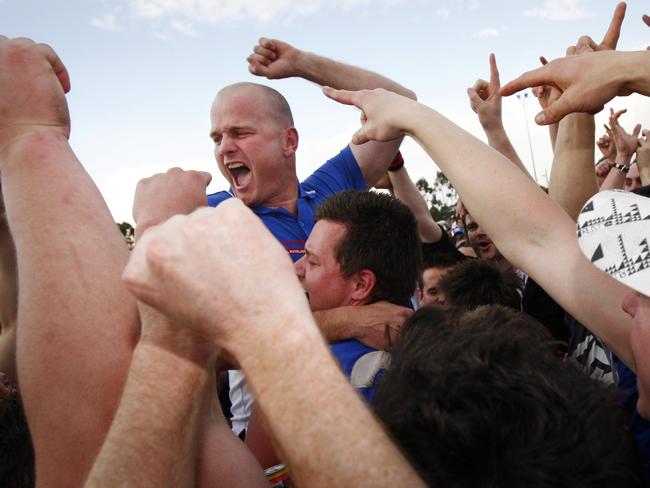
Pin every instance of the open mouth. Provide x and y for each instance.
(484, 246)
(240, 174)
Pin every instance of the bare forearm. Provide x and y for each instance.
(616, 177)
(152, 441)
(406, 191)
(614, 180)
(327, 72)
(531, 240)
(335, 324)
(499, 140)
(70, 256)
(573, 180)
(636, 70)
(332, 438)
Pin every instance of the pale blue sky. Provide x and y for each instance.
(144, 72)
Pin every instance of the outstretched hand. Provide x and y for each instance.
(382, 112)
(586, 82)
(626, 143)
(273, 59)
(485, 98)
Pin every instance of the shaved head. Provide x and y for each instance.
(276, 107)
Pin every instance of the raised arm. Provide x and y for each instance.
(485, 101)
(332, 439)
(573, 179)
(626, 145)
(607, 148)
(587, 82)
(275, 59)
(173, 373)
(153, 440)
(405, 190)
(536, 235)
(585, 85)
(78, 324)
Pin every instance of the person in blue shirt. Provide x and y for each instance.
(364, 248)
(255, 144)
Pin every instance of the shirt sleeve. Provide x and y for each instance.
(215, 199)
(342, 172)
(444, 245)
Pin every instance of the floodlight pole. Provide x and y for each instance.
(530, 143)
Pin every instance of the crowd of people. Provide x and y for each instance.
(320, 332)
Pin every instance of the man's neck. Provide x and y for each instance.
(288, 200)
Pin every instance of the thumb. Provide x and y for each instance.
(207, 177)
(637, 130)
(555, 111)
(360, 136)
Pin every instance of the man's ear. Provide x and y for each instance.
(365, 281)
(289, 141)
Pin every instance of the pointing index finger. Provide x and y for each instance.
(345, 97)
(536, 77)
(495, 82)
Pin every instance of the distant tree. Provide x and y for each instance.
(441, 197)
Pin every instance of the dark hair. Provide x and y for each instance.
(442, 260)
(481, 399)
(381, 235)
(16, 451)
(476, 282)
(644, 191)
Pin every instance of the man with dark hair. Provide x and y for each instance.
(380, 234)
(482, 399)
(482, 244)
(435, 265)
(477, 282)
(364, 248)
(255, 144)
